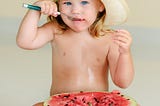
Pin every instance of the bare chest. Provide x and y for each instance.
(74, 53)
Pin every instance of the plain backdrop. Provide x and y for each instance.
(143, 12)
(25, 75)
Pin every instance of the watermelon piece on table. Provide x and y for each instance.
(91, 99)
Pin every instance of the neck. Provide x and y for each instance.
(84, 33)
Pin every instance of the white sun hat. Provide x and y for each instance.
(116, 12)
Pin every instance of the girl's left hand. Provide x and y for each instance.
(124, 40)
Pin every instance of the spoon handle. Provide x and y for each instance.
(32, 7)
(37, 8)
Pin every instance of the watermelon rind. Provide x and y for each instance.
(46, 102)
(132, 101)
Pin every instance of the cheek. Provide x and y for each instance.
(91, 17)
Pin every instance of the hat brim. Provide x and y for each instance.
(116, 11)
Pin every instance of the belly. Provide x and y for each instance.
(79, 82)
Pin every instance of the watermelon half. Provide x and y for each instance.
(114, 98)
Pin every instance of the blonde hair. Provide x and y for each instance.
(96, 29)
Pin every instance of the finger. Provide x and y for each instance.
(42, 8)
(121, 39)
(120, 36)
(124, 36)
(54, 10)
(123, 31)
(47, 7)
(122, 45)
(51, 9)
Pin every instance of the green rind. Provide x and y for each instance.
(46, 102)
(132, 101)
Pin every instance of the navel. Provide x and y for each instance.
(64, 53)
(97, 59)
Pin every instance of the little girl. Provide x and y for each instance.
(84, 48)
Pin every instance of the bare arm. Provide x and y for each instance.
(120, 59)
(30, 36)
(124, 71)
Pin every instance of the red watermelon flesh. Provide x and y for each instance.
(90, 99)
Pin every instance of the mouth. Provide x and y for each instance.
(77, 19)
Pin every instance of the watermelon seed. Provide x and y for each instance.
(122, 95)
(72, 100)
(81, 91)
(111, 104)
(66, 105)
(118, 93)
(66, 96)
(96, 100)
(83, 100)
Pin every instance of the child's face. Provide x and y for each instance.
(83, 11)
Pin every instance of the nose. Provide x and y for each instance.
(76, 9)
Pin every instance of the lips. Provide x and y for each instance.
(78, 19)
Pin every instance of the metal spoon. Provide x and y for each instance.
(37, 8)
(69, 17)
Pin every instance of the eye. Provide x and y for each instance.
(84, 2)
(67, 3)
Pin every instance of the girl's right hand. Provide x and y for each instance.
(48, 7)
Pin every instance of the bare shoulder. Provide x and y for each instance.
(54, 27)
(107, 36)
(51, 27)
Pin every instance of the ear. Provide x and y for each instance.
(101, 7)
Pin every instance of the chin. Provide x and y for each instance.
(79, 29)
